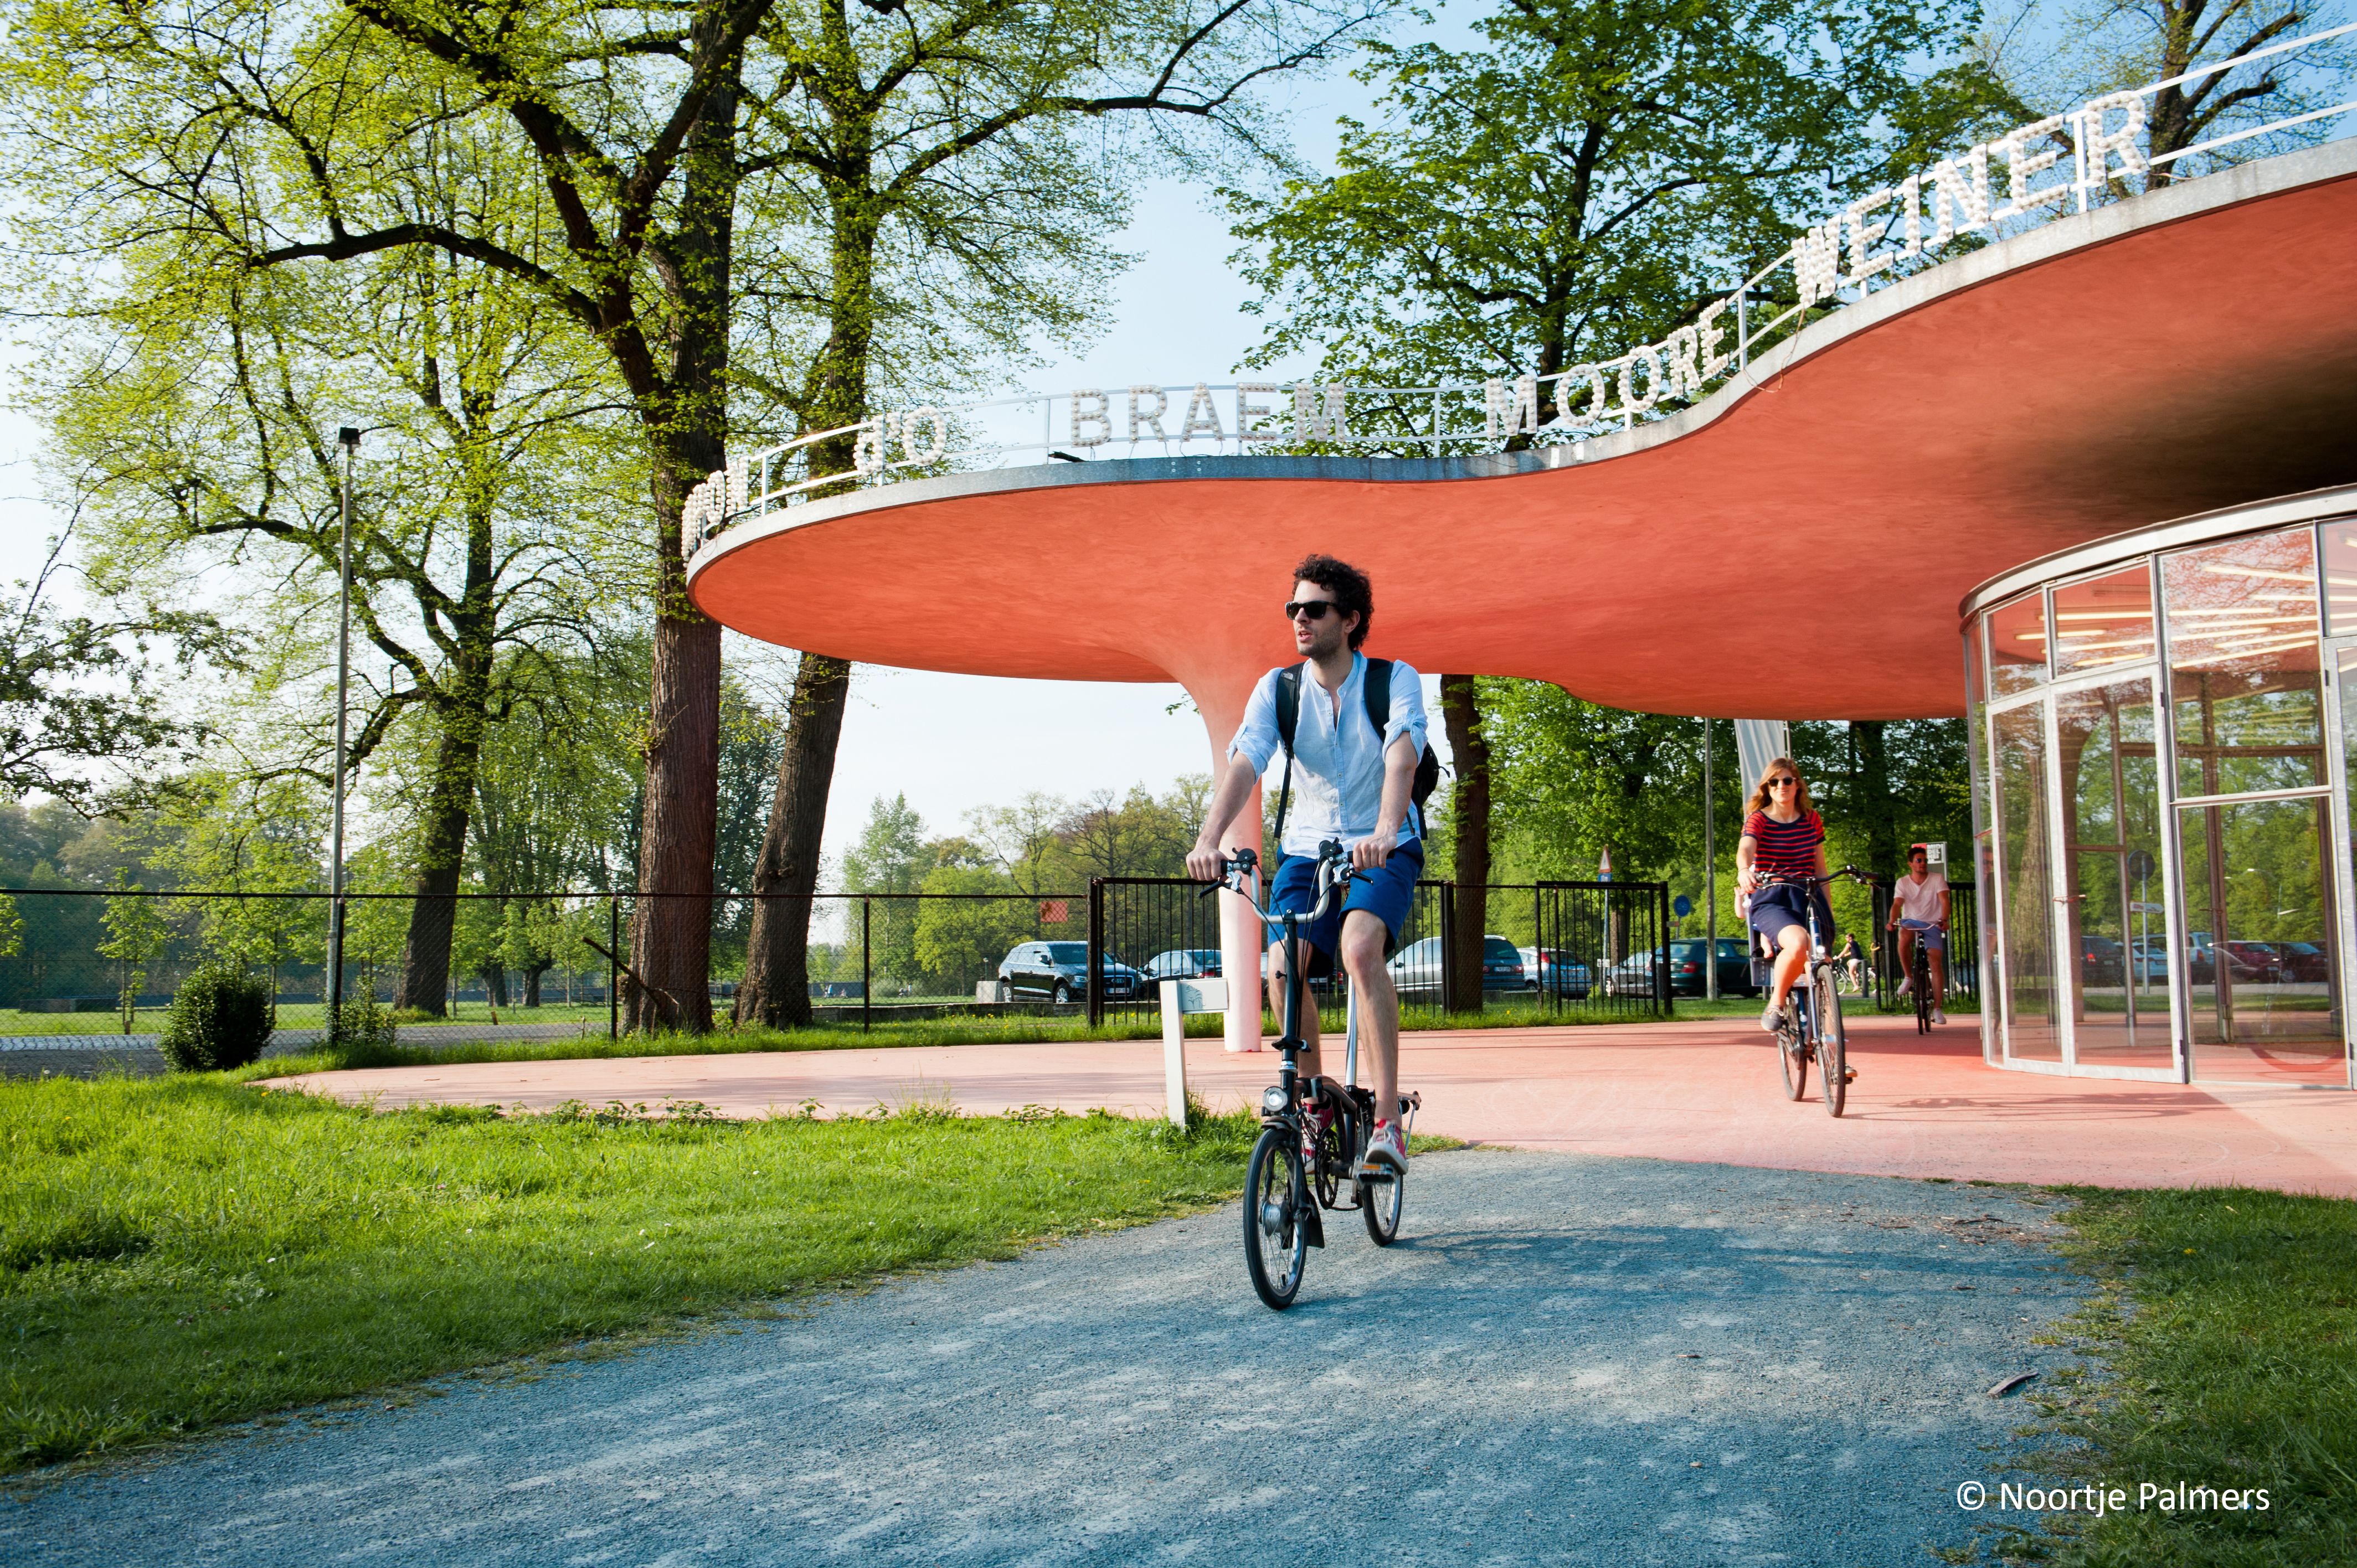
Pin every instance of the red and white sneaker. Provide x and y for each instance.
(1386, 1151)
(1315, 1118)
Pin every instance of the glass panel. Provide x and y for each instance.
(2260, 950)
(2119, 970)
(2018, 645)
(2341, 575)
(1980, 861)
(2242, 653)
(2031, 1030)
(2106, 621)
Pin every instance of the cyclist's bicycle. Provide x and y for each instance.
(1811, 1024)
(1313, 1135)
(1919, 976)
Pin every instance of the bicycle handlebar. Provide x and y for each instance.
(1788, 879)
(1333, 875)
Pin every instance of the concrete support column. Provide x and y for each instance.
(1240, 941)
(1220, 692)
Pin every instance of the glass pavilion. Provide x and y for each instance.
(2164, 746)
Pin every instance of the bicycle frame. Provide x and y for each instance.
(1334, 876)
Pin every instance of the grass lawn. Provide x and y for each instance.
(181, 1251)
(2227, 1319)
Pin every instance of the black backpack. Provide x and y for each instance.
(1378, 692)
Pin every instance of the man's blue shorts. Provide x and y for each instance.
(1778, 905)
(1387, 892)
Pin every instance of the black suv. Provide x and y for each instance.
(1059, 971)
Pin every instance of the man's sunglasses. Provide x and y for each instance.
(1314, 608)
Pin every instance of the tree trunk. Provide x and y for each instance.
(1874, 791)
(776, 989)
(441, 834)
(532, 985)
(670, 930)
(1468, 806)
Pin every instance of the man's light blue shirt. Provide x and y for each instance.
(1338, 759)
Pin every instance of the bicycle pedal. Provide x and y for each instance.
(1849, 1074)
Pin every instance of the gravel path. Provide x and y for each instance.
(1565, 1360)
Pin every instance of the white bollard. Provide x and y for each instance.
(1181, 997)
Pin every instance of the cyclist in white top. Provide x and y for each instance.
(1918, 912)
(1352, 783)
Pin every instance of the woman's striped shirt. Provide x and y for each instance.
(1785, 849)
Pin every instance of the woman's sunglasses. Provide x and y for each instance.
(1781, 782)
(1314, 608)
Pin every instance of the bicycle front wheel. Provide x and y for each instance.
(1832, 1052)
(1277, 1243)
(1380, 1202)
(1792, 1049)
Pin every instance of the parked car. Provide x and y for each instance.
(2102, 962)
(1633, 976)
(1556, 973)
(1180, 963)
(1686, 978)
(2304, 961)
(1417, 968)
(2201, 961)
(1059, 972)
(2266, 965)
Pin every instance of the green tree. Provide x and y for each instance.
(265, 839)
(74, 695)
(204, 417)
(891, 855)
(683, 158)
(1594, 176)
(2058, 56)
(967, 936)
(135, 932)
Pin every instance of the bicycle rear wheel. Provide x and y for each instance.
(1832, 1054)
(1792, 1049)
(1277, 1243)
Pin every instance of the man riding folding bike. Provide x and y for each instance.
(1353, 728)
(1311, 1153)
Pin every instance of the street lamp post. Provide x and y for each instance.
(350, 438)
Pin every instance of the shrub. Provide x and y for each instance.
(365, 1027)
(220, 1019)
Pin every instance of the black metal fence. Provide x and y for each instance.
(1588, 950)
(92, 962)
(83, 962)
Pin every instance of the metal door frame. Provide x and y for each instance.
(2344, 876)
(2060, 816)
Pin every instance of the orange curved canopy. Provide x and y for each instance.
(1796, 544)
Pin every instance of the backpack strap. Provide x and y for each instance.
(1378, 691)
(1288, 719)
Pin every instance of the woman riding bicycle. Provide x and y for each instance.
(1782, 836)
